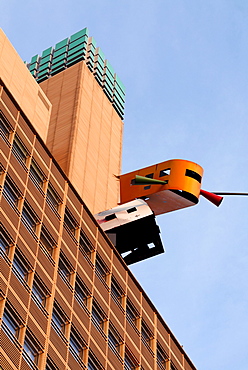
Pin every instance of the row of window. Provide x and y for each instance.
(12, 324)
(22, 267)
(40, 293)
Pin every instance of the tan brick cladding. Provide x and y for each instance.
(85, 135)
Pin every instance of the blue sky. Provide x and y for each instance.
(184, 65)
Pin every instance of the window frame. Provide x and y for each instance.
(101, 269)
(146, 334)
(76, 344)
(5, 237)
(117, 292)
(162, 357)
(37, 175)
(98, 316)
(29, 217)
(20, 150)
(31, 349)
(21, 267)
(132, 314)
(81, 287)
(85, 245)
(52, 198)
(11, 192)
(40, 292)
(6, 127)
(70, 223)
(59, 319)
(65, 268)
(11, 322)
(114, 339)
(47, 240)
(130, 362)
(93, 363)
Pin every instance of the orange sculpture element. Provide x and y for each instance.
(181, 187)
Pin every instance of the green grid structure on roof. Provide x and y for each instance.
(80, 47)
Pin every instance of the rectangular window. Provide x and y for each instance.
(162, 357)
(116, 291)
(39, 292)
(53, 199)
(101, 269)
(5, 126)
(29, 217)
(50, 365)
(85, 244)
(81, 292)
(65, 268)
(131, 313)
(193, 175)
(59, 319)
(11, 192)
(20, 266)
(98, 316)
(69, 222)
(36, 175)
(130, 363)
(146, 334)
(165, 172)
(11, 323)
(5, 240)
(47, 240)
(76, 344)
(20, 151)
(93, 363)
(114, 339)
(31, 349)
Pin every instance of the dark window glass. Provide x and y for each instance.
(29, 217)
(10, 322)
(70, 222)
(162, 358)
(5, 240)
(11, 192)
(81, 292)
(36, 174)
(194, 175)
(59, 319)
(53, 198)
(101, 269)
(47, 240)
(98, 317)
(20, 266)
(65, 269)
(93, 363)
(165, 172)
(19, 150)
(76, 344)
(5, 126)
(39, 291)
(114, 339)
(50, 365)
(116, 291)
(31, 349)
(85, 245)
(129, 362)
(131, 313)
(146, 333)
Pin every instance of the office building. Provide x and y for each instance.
(68, 299)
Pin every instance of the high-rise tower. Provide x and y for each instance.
(68, 300)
